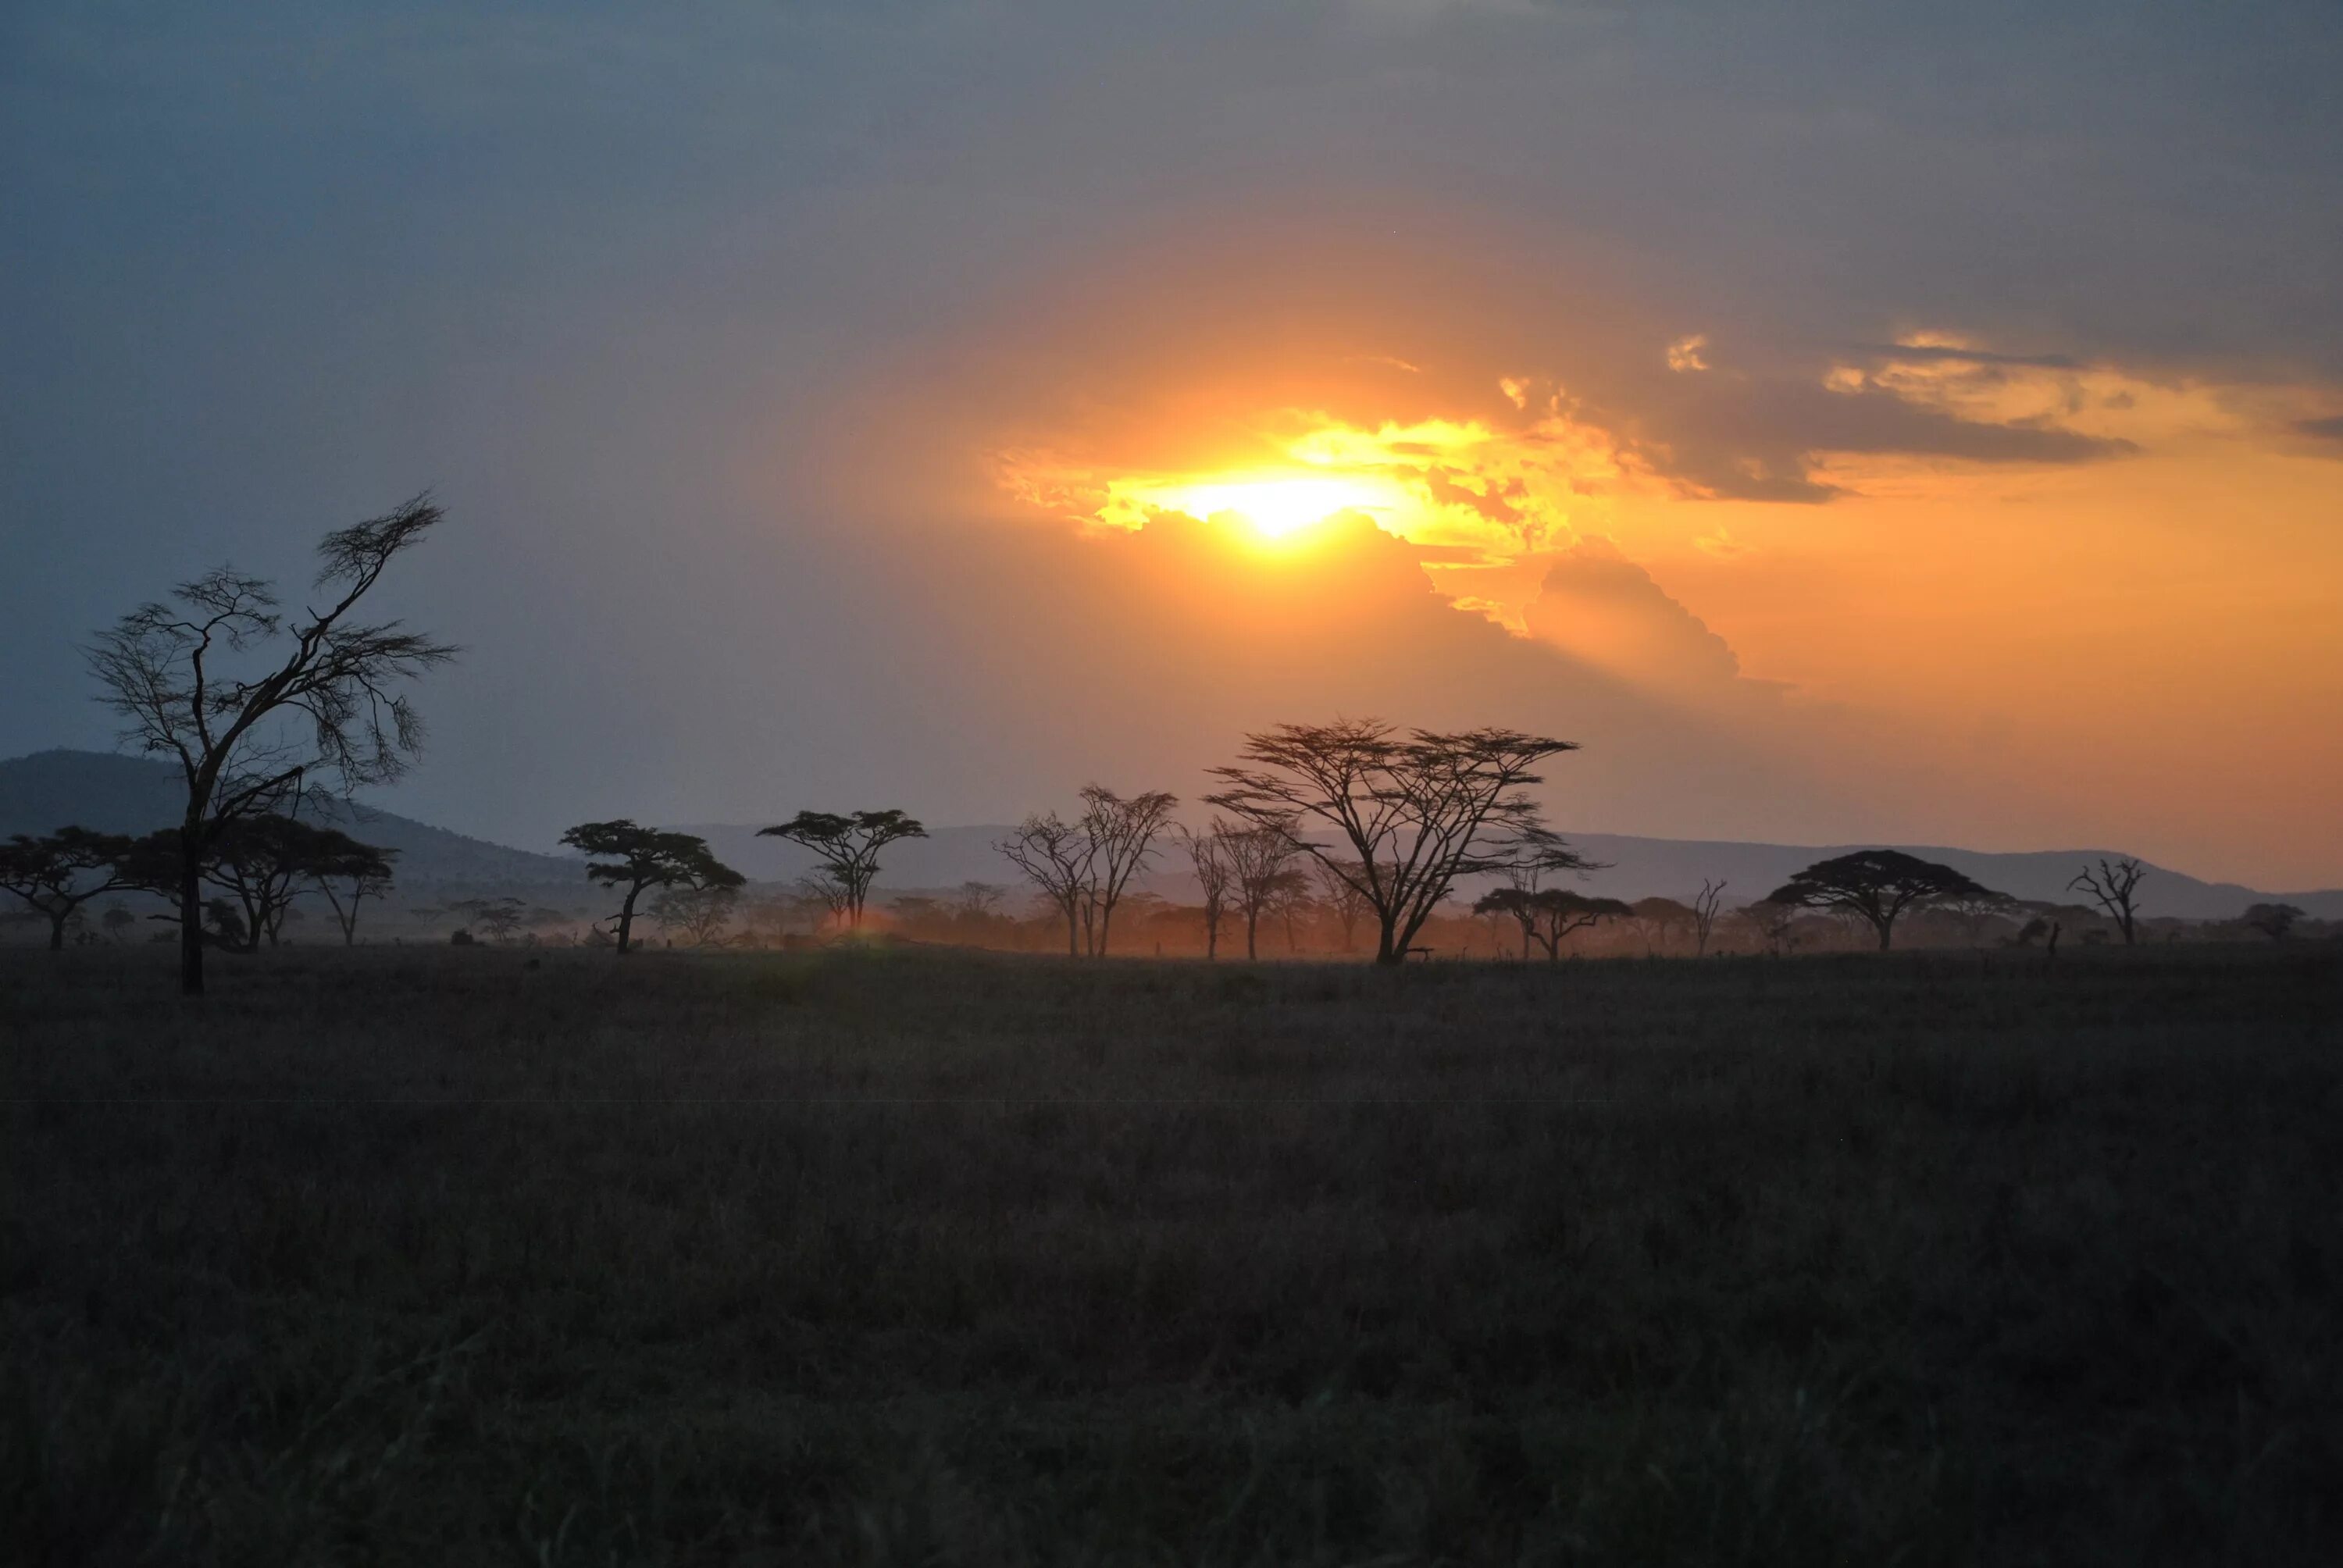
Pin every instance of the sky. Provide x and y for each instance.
(1867, 422)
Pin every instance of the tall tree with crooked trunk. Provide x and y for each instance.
(624, 855)
(2112, 885)
(849, 847)
(58, 872)
(250, 702)
(1874, 886)
(1410, 814)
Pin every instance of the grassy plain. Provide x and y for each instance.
(447, 1256)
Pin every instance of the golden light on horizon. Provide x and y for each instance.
(1275, 505)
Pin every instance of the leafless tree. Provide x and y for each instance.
(1056, 856)
(974, 900)
(2111, 886)
(1410, 814)
(315, 696)
(1208, 853)
(1705, 905)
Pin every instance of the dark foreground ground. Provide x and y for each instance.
(434, 1257)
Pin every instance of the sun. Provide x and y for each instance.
(1276, 507)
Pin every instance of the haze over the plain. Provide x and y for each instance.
(1847, 424)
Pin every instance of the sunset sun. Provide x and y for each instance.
(1275, 507)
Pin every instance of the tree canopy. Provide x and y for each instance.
(1875, 885)
(1410, 813)
(624, 855)
(849, 847)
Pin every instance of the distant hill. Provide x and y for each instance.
(117, 794)
(136, 794)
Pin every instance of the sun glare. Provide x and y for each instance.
(1275, 507)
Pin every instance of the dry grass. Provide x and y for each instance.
(435, 1257)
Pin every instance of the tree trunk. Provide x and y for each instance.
(58, 918)
(1385, 952)
(1886, 930)
(1252, 924)
(191, 912)
(626, 920)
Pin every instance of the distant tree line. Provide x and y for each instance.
(1357, 825)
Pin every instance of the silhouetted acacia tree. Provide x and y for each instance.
(848, 846)
(622, 854)
(1055, 855)
(1875, 885)
(1548, 915)
(1260, 866)
(1208, 853)
(256, 864)
(1704, 906)
(319, 698)
(1338, 892)
(1122, 834)
(58, 872)
(1771, 922)
(2275, 922)
(2111, 885)
(1410, 814)
(497, 919)
(347, 880)
(1974, 910)
(1657, 918)
(701, 914)
(1084, 867)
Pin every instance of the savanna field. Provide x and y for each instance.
(477, 1256)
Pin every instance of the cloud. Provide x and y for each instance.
(1685, 353)
(2330, 428)
(1601, 608)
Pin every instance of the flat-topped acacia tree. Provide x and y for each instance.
(58, 872)
(1409, 814)
(1874, 886)
(251, 702)
(849, 847)
(622, 854)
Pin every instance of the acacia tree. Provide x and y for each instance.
(498, 919)
(1548, 915)
(1208, 853)
(251, 703)
(1411, 814)
(1055, 855)
(1122, 834)
(2111, 886)
(1261, 865)
(699, 913)
(2275, 922)
(1772, 922)
(849, 847)
(254, 865)
(1705, 905)
(1874, 886)
(58, 872)
(1338, 893)
(1084, 867)
(633, 858)
(1657, 918)
(364, 873)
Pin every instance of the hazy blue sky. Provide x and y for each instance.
(699, 320)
